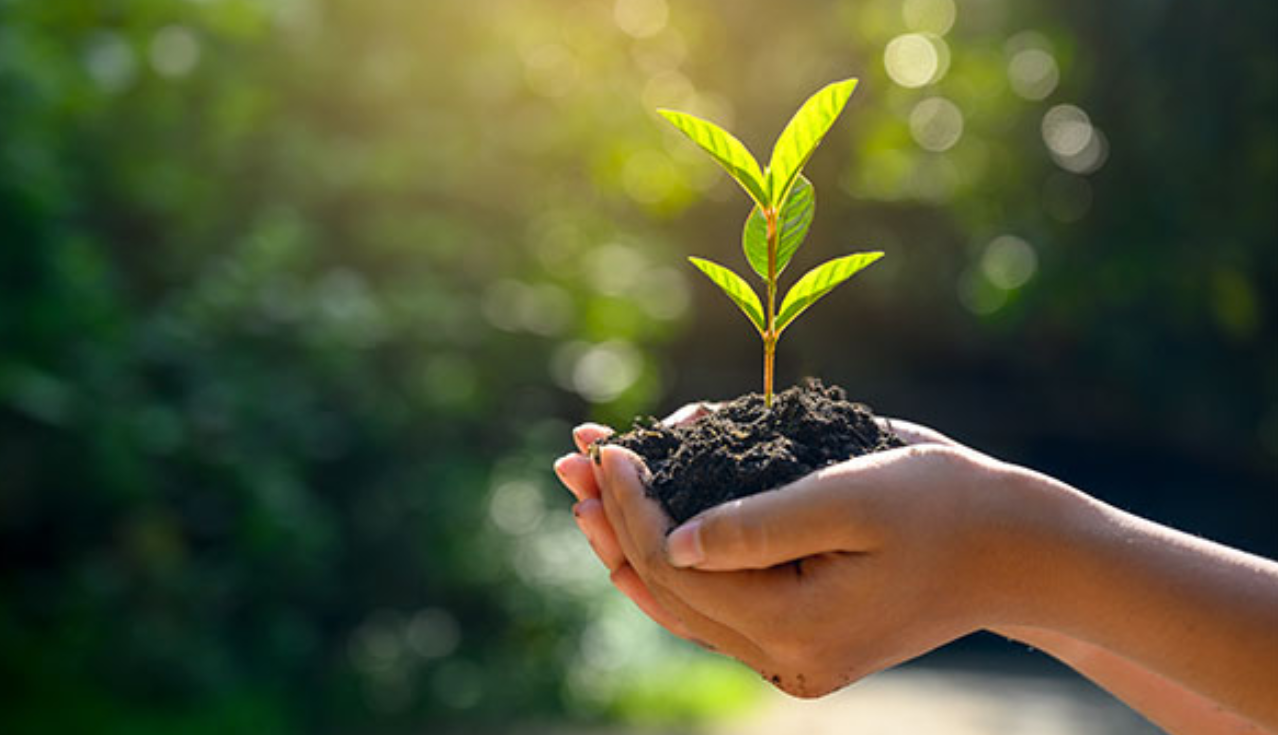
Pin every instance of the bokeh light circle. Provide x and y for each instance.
(1009, 262)
(914, 59)
(936, 124)
(1066, 130)
(174, 51)
(641, 18)
(929, 16)
(1033, 73)
(110, 61)
(1088, 160)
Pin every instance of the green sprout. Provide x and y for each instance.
(784, 204)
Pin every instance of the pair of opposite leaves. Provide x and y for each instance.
(780, 188)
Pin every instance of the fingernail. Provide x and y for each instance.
(579, 431)
(683, 545)
(563, 478)
(559, 464)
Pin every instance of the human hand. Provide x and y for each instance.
(880, 571)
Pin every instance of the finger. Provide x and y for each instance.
(703, 628)
(641, 520)
(818, 513)
(690, 412)
(589, 433)
(575, 473)
(630, 585)
(594, 524)
(912, 433)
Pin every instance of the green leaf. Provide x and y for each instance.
(724, 148)
(820, 281)
(795, 219)
(736, 289)
(803, 134)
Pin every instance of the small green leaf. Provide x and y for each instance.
(736, 289)
(724, 148)
(803, 134)
(820, 281)
(795, 219)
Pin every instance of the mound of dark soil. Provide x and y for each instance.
(744, 448)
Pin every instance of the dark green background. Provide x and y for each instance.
(299, 298)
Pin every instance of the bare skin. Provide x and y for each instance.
(906, 550)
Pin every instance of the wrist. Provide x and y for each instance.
(1034, 526)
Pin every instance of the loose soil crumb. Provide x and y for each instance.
(743, 448)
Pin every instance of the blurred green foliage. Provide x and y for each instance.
(299, 297)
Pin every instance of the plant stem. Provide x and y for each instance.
(769, 354)
(770, 334)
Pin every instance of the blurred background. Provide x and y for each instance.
(300, 298)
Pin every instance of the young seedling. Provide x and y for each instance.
(784, 203)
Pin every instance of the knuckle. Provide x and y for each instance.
(935, 457)
(618, 576)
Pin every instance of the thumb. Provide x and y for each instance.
(816, 514)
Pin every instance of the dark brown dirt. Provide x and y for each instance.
(744, 448)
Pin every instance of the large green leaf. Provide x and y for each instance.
(803, 134)
(820, 281)
(736, 289)
(795, 219)
(731, 153)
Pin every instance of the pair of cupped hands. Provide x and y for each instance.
(845, 572)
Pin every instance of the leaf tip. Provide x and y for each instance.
(847, 86)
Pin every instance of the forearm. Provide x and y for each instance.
(1167, 704)
(1201, 615)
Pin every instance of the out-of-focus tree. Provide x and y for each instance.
(285, 285)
